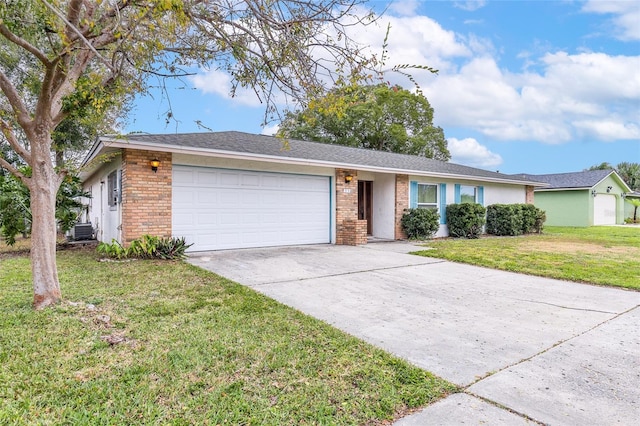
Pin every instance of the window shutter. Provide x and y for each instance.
(413, 194)
(481, 195)
(443, 203)
(456, 193)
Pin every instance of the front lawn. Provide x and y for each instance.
(598, 255)
(150, 342)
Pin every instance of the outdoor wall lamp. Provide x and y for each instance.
(609, 188)
(623, 195)
(348, 178)
(154, 165)
(593, 192)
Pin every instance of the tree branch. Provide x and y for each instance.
(7, 131)
(18, 41)
(18, 106)
(80, 36)
(17, 173)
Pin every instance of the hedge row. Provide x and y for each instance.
(514, 219)
(467, 220)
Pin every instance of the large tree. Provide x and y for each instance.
(629, 172)
(64, 57)
(380, 117)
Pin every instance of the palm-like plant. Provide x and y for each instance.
(636, 203)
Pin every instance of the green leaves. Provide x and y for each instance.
(380, 117)
(146, 247)
(15, 205)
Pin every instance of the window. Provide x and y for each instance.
(427, 196)
(112, 189)
(468, 194)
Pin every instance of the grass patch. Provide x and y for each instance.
(151, 342)
(598, 255)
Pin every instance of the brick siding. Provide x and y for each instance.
(146, 196)
(402, 203)
(349, 230)
(529, 197)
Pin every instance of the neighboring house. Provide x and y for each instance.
(592, 197)
(237, 190)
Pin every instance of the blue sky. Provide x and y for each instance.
(524, 86)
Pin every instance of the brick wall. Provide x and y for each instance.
(402, 202)
(349, 230)
(529, 197)
(146, 196)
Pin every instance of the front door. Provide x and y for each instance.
(365, 203)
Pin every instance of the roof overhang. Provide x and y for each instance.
(586, 188)
(108, 144)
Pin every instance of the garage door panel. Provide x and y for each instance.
(604, 209)
(223, 209)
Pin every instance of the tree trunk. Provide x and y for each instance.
(43, 187)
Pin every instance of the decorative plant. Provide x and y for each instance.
(147, 247)
(635, 203)
(420, 223)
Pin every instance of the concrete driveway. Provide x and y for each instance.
(525, 350)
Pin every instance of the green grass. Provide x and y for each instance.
(196, 349)
(598, 255)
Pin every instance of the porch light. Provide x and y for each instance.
(593, 192)
(154, 164)
(623, 195)
(348, 179)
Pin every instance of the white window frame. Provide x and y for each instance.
(113, 195)
(436, 204)
(475, 193)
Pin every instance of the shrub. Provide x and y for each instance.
(147, 247)
(514, 219)
(113, 250)
(144, 248)
(172, 248)
(541, 218)
(504, 219)
(465, 220)
(420, 223)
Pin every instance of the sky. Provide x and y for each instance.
(523, 86)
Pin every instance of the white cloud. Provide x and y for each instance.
(470, 152)
(404, 7)
(626, 19)
(558, 97)
(608, 130)
(270, 130)
(470, 5)
(219, 83)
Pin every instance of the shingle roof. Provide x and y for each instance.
(261, 145)
(585, 179)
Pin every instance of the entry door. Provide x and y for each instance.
(365, 203)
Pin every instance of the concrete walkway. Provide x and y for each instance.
(526, 350)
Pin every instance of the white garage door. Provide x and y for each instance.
(604, 209)
(223, 209)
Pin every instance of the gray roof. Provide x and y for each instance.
(575, 180)
(270, 146)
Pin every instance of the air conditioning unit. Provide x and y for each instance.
(82, 231)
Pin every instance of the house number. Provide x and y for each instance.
(347, 190)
